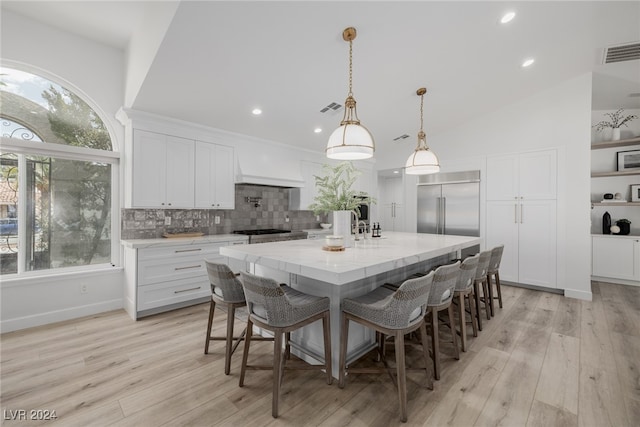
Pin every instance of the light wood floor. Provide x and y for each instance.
(543, 360)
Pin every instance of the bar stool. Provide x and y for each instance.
(226, 290)
(393, 314)
(493, 270)
(444, 283)
(464, 292)
(281, 310)
(481, 280)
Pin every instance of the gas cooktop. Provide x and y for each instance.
(262, 231)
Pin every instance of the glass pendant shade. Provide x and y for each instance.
(350, 141)
(422, 162)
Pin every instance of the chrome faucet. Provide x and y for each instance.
(364, 228)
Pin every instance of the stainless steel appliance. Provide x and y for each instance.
(271, 235)
(449, 203)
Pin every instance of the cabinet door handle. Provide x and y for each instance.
(187, 290)
(515, 213)
(187, 268)
(521, 214)
(189, 250)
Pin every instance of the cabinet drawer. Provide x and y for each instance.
(165, 270)
(174, 252)
(167, 293)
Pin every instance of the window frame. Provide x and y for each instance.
(68, 152)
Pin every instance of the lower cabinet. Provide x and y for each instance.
(527, 229)
(162, 278)
(615, 257)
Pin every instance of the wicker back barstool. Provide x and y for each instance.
(280, 310)
(493, 270)
(390, 313)
(464, 292)
(444, 283)
(481, 280)
(226, 290)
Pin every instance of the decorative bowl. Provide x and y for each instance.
(334, 241)
(326, 226)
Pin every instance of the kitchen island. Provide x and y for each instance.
(371, 262)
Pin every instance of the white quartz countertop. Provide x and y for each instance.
(366, 258)
(180, 241)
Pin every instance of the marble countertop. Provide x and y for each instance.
(366, 258)
(179, 241)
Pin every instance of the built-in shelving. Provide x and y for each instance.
(615, 173)
(615, 204)
(614, 144)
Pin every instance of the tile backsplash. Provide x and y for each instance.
(272, 212)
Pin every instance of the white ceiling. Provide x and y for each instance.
(219, 60)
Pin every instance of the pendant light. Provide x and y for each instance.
(422, 161)
(351, 141)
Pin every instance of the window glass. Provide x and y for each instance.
(54, 212)
(51, 112)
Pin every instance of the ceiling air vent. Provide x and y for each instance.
(625, 52)
(334, 106)
(401, 137)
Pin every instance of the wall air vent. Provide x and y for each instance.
(334, 106)
(624, 52)
(401, 137)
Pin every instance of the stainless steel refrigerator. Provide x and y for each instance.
(449, 203)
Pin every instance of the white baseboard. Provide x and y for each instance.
(583, 295)
(616, 281)
(59, 315)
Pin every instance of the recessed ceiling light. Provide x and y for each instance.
(507, 17)
(317, 130)
(527, 63)
(396, 171)
(256, 111)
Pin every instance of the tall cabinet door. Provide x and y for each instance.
(502, 229)
(224, 187)
(149, 168)
(537, 243)
(180, 172)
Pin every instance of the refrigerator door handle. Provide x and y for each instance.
(438, 208)
(444, 215)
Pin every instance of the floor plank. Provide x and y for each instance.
(541, 360)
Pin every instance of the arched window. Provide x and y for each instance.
(56, 170)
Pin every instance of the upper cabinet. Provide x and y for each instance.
(528, 176)
(169, 172)
(162, 171)
(214, 176)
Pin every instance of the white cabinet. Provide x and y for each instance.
(162, 171)
(391, 203)
(525, 176)
(214, 176)
(161, 278)
(521, 214)
(616, 257)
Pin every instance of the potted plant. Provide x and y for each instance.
(336, 196)
(616, 121)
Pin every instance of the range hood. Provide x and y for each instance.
(268, 169)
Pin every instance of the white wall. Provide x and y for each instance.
(96, 72)
(557, 117)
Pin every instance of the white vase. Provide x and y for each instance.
(615, 134)
(342, 226)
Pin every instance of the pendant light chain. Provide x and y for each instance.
(350, 68)
(421, 112)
